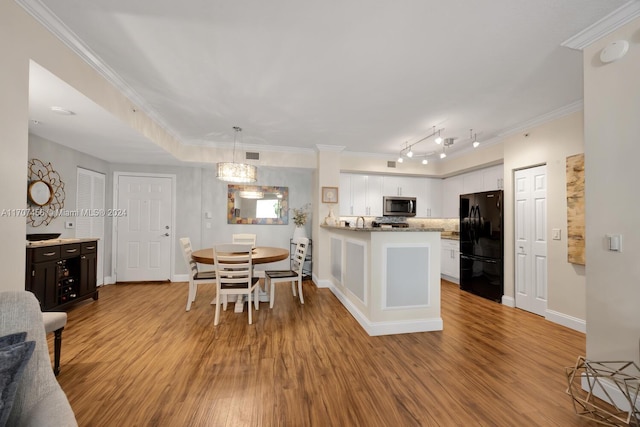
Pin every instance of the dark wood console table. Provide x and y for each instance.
(63, 272)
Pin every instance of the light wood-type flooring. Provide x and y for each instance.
(136, 358)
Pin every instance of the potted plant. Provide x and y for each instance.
(300, 217)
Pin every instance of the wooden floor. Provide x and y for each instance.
(136, 358)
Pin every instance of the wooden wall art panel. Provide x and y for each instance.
(575, 210)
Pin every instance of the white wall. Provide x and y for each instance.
(612, 150)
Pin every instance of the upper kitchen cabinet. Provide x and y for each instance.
(487, 179)
(427, 191)
(360, 195)
(493, 178)
(451, 190)
(402, 186)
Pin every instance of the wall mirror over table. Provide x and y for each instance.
(257, 204)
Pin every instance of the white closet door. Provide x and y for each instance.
(90, 205)
(530, 194)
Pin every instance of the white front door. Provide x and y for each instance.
(530, 195)
(144, 234)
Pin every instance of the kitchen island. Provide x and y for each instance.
(387, 278)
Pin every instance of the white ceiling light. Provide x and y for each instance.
(236, 172)
(62, 111)
(443, 154)
(474, 138)
(438, 139)
(425, 161)
(410, 153)
(400, 159)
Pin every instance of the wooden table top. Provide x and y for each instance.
(260, 255)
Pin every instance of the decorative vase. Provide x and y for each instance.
(330, 219)
(298, 233)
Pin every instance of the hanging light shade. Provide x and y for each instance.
(236, 172)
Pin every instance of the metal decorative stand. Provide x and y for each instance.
(605, 392)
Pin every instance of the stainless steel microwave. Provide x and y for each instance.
(398, 206)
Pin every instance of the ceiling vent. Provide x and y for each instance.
(391, 164)
(252, 156)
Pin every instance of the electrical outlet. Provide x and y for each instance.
(69, 224)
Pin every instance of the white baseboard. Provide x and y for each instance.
(605, 389)
(180, 278)
(508, 301)
(450, 279)
(391, 327)
(571, 322)
(108, 280)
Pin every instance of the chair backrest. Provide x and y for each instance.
(233, 265)
(297, 262)
(186, 253)
(243, 238)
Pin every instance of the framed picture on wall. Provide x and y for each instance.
(329, 194)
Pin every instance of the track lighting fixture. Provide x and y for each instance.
(474, 138)
(438, 139)
(408, 152)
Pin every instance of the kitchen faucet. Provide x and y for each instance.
(357, 220)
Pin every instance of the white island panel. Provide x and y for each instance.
(390, 280)
(406, 277)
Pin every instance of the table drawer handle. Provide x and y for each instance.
(49, 254)
(70, 251)
(91, 247)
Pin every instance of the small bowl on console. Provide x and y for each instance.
(42, 236)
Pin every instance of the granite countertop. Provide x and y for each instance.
(451, 235)
(54, 242)
(394, 230)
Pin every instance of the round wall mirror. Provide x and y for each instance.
(40, 193)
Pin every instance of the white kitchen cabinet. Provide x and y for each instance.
(427, 191)
(450, 260)
(360, 195)
(493, 178)
(451, 190)
(430, 205)
(472, 182)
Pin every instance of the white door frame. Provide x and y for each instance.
(114, 231)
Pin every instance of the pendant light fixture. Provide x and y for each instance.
(236, 172)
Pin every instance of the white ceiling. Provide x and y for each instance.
(336, 72)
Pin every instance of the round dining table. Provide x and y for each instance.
(259, 255)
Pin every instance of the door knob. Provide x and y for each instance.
(166, 234)
(166, 227)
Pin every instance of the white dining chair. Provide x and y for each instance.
(294, 275)
(248, 239)
(244, 238)
(234, 275)
(195, 275)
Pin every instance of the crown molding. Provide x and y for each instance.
(50, 21)
(335, 148)
(616, 19)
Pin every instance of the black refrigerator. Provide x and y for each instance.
(482, 244)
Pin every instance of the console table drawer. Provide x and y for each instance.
(89, 248)
(70, 251)
(47, 253)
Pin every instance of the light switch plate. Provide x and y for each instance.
(555, 234)
(614, 242)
